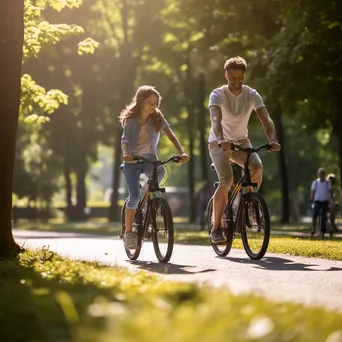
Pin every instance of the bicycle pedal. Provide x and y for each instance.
(222, 243)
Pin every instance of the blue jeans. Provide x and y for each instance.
(132, 175)
(318, 206)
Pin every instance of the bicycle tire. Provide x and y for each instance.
(224, 249)
(132, 254)
(245, 230)
(162, 206)
(322, 224)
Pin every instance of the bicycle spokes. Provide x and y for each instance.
(256, 227)
(162, 233)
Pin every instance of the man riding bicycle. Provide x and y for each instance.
(230, 108)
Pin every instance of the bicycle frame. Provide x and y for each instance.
(244, 182)
(153, 186)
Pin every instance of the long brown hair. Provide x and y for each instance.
(133, 109)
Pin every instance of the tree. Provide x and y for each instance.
(11, 47)
(37, 104)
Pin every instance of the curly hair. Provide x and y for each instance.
(133, 109)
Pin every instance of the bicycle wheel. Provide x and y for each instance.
(322, 224)
(162, 231)
(132, 254)
(221, 250)
(256, 234)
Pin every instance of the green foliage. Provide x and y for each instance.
(87, 301)
(36, 101)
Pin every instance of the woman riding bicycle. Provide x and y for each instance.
(142, 122)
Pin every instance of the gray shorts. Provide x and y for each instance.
(222, 162)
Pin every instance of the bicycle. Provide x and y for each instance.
(251, 217)
(153, 217)
(323, 223)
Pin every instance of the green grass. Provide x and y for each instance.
(299, 246)
(46, 298)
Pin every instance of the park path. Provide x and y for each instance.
(309, 281)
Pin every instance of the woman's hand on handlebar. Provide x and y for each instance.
(183, 158)
(127, 158)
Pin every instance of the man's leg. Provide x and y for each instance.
(255, 164)
(314, 217)
(221, 160)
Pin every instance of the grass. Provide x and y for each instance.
(330, 248)
(298, 246)
(44, 297)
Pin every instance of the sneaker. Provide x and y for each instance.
(217, 236)
(130, 242)
(252, 214)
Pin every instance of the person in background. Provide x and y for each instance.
(334, 202)
(321, 193)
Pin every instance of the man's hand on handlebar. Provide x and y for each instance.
(275, 146)
(225, 145)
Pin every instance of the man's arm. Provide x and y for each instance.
(269, 127)
(216, 119)
(268, 123)
(312, 195)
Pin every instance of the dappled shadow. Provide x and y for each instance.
(282, 264)
(38, 235)
(168, 268)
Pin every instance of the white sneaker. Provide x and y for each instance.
(252, 214)
(130, 241)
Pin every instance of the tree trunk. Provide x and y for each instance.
(68, 188)
(114, 211)
(81, 200)
(129, 65)
(202, 125)
(191, 168)
(282, 166)
(11, 46)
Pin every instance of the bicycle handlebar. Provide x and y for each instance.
(250, 150)
(173, 159)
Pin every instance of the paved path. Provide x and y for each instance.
(309, 281)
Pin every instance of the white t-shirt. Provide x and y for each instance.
(143, 145)
(236, 111)
(322, 190)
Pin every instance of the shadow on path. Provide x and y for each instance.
(168, 268)
(281, 264)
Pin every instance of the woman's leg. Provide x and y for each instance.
(132, 176)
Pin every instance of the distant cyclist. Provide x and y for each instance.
(230, 109)
(321, 192)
